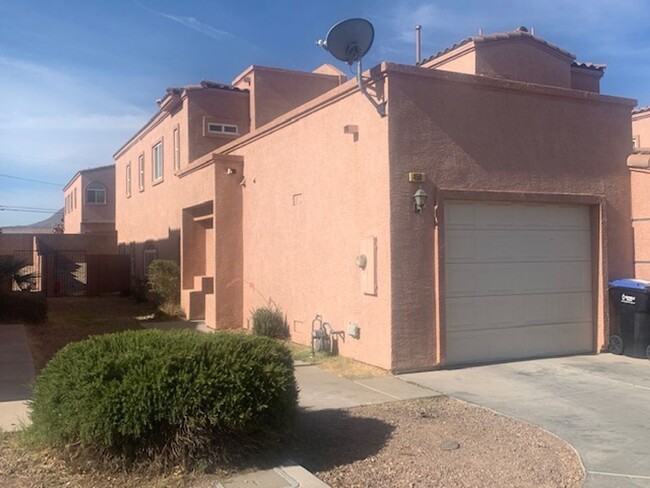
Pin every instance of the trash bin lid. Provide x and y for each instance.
(631, 283)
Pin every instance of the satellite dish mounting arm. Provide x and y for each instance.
(379, 106)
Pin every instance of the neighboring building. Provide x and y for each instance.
(310, 205)
(639, 164)
(89, 201)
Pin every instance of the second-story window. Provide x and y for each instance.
(157, 162)
(74, 193)
(223, 129)
(177, 150)
(96, 193)
(128, 180)
(141, 172)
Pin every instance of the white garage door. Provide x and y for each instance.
(518, 281)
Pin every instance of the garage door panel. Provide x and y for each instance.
(503, 312)
(485, 215)
(472, 245)
(518, 280)
(517, 343)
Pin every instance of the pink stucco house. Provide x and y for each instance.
(639, 165)
(290, 187)
(89, 201)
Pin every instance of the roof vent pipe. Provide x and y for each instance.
(418, 44)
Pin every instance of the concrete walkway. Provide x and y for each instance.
(598, 404)
(16, 377)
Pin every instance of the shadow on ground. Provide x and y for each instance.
(326, 439)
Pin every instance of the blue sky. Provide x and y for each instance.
(79, 77)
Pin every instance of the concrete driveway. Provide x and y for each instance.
(599, 404)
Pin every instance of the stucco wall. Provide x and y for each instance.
(15, 242)
(640, 181)
(275, 91)
(72, 211)
(641, 129)
(90, 243)
(312, 193)
(585, 79)
(472, 135)
(97, 213)
(219, 106)
(152, 217)
(523, 60)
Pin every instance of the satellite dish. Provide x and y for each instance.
(349, 40)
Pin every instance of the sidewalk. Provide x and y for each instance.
(319, 390)
(16, 377)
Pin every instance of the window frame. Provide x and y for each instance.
(145, 253)
(157, 176)
(222, 131)
(176, 143)
(102, 189)
(141, 174)
(128, 180)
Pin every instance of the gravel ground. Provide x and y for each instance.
(438, 442)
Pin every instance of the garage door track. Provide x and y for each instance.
(599, 404)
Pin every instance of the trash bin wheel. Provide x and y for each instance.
(616, 344)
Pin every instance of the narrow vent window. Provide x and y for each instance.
(222, 129)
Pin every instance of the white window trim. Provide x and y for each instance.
(220, 128)
(155, 176)
(128, 180)
(141, 175)
(103, 188)
(177, 148)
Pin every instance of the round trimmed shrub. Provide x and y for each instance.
(269, 322)
(175, 396)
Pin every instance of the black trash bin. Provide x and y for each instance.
(630, 317)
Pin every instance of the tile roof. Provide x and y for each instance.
(177, 90)
(592, 66)
(518, 33)
(640, 110)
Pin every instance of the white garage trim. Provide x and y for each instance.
(517, 280)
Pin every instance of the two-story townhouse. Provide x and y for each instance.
(522, 159)
(89, 201)
(156, 167)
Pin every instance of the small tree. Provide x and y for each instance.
(11, 271)
(165, 282)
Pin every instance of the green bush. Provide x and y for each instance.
(268, 321)
(176, 397)
(23, 307)
(165, 280)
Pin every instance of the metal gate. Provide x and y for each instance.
(56, 273)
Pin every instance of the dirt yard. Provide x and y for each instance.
(76, 318)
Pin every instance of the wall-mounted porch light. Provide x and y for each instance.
(419, 199)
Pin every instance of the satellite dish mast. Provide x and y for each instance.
(349, 41)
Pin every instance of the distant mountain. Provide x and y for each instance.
(42, 227)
